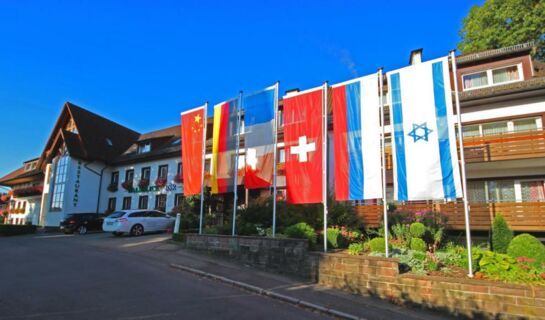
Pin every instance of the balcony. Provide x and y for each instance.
(28, 192)
(505, 146)
(521, 216)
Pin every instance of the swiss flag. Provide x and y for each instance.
(303, 146)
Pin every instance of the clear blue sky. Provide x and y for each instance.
(142, 62)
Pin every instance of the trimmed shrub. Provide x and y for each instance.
(501, 234)
(14, 230)
(180, 237)
(377, 245)
(301, 230)
(525, 245)
(417, 229)
(355, 248)
(418, 244)
(334, 237)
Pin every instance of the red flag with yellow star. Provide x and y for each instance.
(193, 134)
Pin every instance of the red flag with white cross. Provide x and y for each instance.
(303, 146)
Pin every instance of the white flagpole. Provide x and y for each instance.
(203, 156)
(463, 164)
(324, 160)
(274, 156)
(383, 142)
(239, 107)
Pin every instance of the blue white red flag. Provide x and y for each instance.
(356, 134)
(424, 142)
(259, 117)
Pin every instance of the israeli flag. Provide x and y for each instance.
(424, 141)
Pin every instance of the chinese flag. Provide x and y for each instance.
(193, 122)
(303, 146)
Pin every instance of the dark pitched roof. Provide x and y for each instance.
(99, 138)
(164, 143)
(535, 85)
(494, 53)
(20, 176)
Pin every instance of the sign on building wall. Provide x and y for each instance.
(77, 185)
(168, 187)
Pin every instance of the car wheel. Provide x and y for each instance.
(82, 230)
(117, 234)
(137, 230)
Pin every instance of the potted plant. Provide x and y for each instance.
(112, 187)
(161, 182)
(127, 185)
(143, 183)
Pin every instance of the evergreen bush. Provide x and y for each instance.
(526, 245)
(501, 234)
(418, 244)
(334, 237)
(301, 230)
(417, 229)
(377, 245)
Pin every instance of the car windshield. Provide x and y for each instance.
(117, 214)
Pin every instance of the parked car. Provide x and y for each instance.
(137, 222)
(82, 222)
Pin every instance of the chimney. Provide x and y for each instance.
(416, 56)
(291, 92)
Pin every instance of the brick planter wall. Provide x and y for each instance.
(288, 256)
(472, 298)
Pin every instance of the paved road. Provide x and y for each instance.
(98, 276)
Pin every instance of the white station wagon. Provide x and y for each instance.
(137, 222)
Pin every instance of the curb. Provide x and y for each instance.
(268, 293)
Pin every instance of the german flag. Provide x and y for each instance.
(223, 146)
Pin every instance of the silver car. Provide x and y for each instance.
(137, 222)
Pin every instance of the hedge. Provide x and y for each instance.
(15, 229)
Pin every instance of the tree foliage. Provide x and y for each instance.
(502, 23)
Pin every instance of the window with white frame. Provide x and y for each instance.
(492, 77)
(501, 127)
(59, 183)
(143, 148)
(519, 190)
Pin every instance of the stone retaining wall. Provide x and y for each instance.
(471, 298)
(288, 256)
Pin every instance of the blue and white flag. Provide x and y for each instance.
(259, 117)
(424, 141)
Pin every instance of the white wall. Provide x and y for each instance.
(154, 166)
(514, 108)
(80, 193)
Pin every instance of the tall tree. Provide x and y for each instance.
(501, 23)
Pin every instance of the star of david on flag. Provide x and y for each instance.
(420, 132)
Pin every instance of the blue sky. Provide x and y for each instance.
(142, 62)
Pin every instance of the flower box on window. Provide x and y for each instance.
(127, 185)
(143, 183)
(178, 178)
(161, 182)
(112, 187)
(27, 192)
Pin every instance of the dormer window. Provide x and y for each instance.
(143, 148)
(492, 77)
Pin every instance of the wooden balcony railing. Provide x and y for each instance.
(505, 146)
(521, 216)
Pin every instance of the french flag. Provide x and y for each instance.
(356, 138)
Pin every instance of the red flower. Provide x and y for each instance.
(143, 183)
(127, 185)
(161, 182)
(178, 178)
